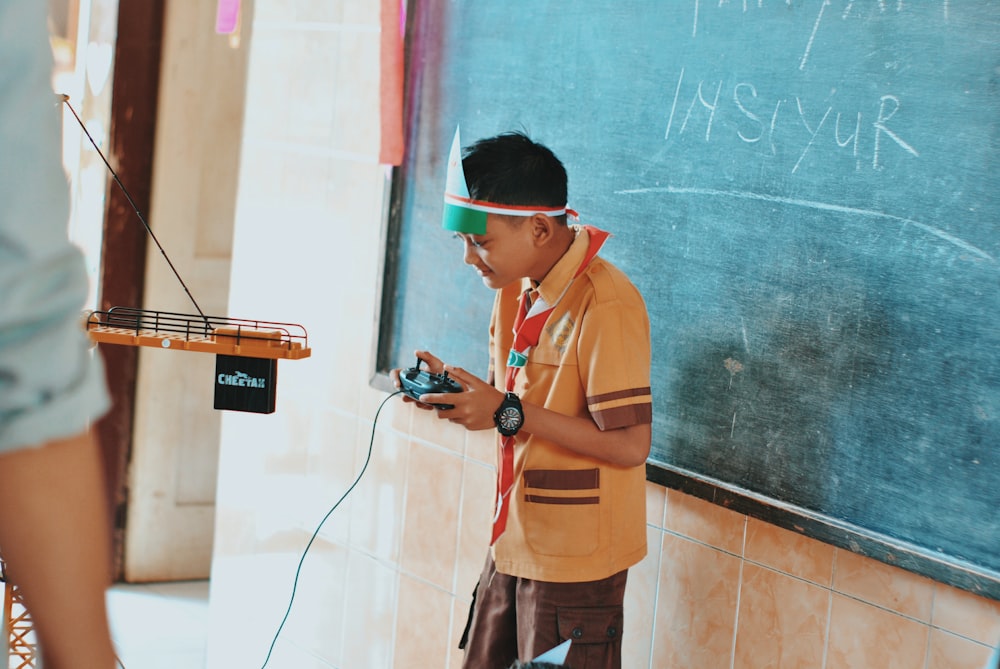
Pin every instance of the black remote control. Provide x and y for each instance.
(417, 382)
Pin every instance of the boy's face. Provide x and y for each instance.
(506, 253)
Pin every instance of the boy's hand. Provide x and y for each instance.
(431, 362)
(474, 407)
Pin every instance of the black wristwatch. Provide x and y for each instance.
(509, 417)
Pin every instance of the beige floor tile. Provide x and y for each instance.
(430, 533)
(966, 614)
(656, 504)
(372, 596)
(782, 621)
(883, 585)
(705, 522)
(867, 637)
(422, 630)
(789, 552)
(949, 651)
(640, 598)
(696, 606)
(160, 625)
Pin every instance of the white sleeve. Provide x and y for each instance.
(51, 384)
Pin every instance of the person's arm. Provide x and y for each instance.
(625, 446)
(54, 535)
(607, 330)
(55, 541)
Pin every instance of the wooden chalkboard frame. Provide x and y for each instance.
(910, 557)
(916, 558)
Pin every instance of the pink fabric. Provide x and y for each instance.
(227, 15)
(391, 85)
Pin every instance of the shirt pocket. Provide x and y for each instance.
(562, 511)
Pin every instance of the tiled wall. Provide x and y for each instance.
(736, 592)
(387, 581)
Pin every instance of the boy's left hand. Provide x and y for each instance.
(474, 407)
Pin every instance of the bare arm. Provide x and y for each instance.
(624, 446)
(474, 408)
(55, 537)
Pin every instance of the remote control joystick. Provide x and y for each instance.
(417, 382)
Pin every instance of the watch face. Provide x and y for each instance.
(509, 419)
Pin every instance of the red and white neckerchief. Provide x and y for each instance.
(527, 329)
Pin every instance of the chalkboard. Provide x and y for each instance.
(805, 192)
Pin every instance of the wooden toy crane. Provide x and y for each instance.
(247, 351)
(205, 334)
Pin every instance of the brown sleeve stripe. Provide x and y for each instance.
(621, 409)
(646, 392)
(562, 479)
(623, 416)
(542, 499)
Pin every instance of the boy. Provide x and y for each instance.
(569, 395)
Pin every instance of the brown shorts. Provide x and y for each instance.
(519, 619)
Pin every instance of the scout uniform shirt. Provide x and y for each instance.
(573, 518)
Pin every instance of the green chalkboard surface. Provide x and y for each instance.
(805, 192)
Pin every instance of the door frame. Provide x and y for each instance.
(134, 100)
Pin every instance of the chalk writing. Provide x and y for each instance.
(812, 35)
(823, 13)
(935, 231)
(756, 120)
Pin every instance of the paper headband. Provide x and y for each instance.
(468, 216)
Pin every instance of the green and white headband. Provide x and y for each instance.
(465, 215)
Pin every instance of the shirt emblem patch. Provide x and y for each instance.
(560, 332)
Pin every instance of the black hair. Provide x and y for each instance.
(536, 665)
(510, 168)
